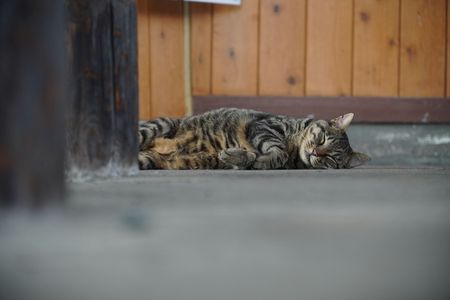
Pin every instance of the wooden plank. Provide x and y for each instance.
(422, 59)
(447, 75)
(376, 47)
(167, 65)
(329, 47)
(143, 26)
(90, 113)
(366, 109)
(32, 85)
(235, 49)
(103, 101)
(201, 39)
(124, 43)
(282, 47)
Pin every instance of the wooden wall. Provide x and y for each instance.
(160, 58)
(386, 48)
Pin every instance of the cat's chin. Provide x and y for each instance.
(314, 164)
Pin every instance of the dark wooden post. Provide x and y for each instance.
(103, 103)
(31, 93)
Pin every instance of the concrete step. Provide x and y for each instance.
(408, 145)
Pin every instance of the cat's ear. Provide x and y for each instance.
(342, 122)
(357, 159)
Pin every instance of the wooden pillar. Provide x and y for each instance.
(103, 91)
(31, 97)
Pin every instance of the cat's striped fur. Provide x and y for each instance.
(246, 139)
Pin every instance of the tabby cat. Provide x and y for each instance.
(230, 138)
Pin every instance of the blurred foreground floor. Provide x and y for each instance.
(373, 233)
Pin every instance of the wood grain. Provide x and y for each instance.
(143, 23)
(329, 47)
(166, 55)
(235, 49)
(422, 59)
(103, 100)
(90, 109)
(282, 47)
(447, 75)
(376, 47)
(201, 39)
(125, 105)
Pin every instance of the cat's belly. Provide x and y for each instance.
(165, 146)
(196, 142)
(187, 143)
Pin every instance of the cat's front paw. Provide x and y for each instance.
(237, 157)
(262, 163)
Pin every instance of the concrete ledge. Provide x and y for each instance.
(408, 145)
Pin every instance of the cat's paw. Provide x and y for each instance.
(146, 137)
(146, 162)
(271, 162)
(262, 163)
(143, 161)
(237, 157)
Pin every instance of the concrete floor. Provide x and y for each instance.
(367, 233)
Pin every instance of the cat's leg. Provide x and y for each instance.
(237, 158)
(273, 155)
(161, 127)
(194, 161)
(149, 160)
(152, 160)
(269, 141)
(271, 160)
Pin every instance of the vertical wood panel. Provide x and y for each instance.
(125, 69)
(166, 55)
(143, 23)
(33, 102)
(235, 53)
(376, 47)
(102, 107)
(329, 47)
(282, 47)
(201, 30)
(448, 49)
(90, 131)
(422, 59)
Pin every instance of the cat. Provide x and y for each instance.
(231, 138)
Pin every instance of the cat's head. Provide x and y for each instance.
(325, 145)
